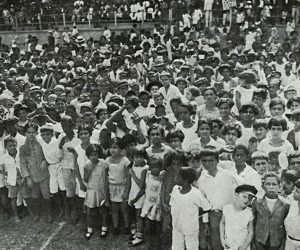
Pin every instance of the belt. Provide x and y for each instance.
(292, 238)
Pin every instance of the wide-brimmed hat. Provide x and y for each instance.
(79, 39)
(223, 67)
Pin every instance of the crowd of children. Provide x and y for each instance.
(185, 140)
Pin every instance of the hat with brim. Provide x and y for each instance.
(79, 39)
(293, 114)
(248, 189)
(223, 67)
(18, 107)
(116, 99)
(36, 89)
(208, 69)
(122, 83)
(159, 63)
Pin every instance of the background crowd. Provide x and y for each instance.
(153, 125)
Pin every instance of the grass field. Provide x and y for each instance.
(31, 235)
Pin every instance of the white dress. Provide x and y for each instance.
(236, 226)
(190, 134)
(134, 189)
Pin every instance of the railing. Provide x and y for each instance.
(47, 22)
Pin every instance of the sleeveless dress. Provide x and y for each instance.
(96, 185)
(134, 190)
(151, 208)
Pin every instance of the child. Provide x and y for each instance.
(260, 130)
(259, 97)
(136, 195)
(96, 181)
(236, 226)
(117, 168)
(157, 148)
(34, 170)
(288, 179)
(152, 205)
(185, 203)
(10, 168)
(52, 154)
(191, 94)
(260, 162)
(174, 139)
(293, 135)
(269, 214)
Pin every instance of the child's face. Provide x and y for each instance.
(11, 148)
(258, 100)
(84, 136)
(175, 143)
(242, 199)
(224, 109)
(155, 136)
(160, 112)
(60, 105)
(46, 136)
(158, 100)
(93, 157)
(154, 170)
(31, 134)
(295, 105)
(240, 157)
(138, 160)
(297, 124)
(277, 110)
(231, 136)
(260, 133)
(261, 166)
(209, 96)
(114, 150)
(204, 131)
(276, 131)
(295, 164)
(188, 95)
(291, 93)
(271, 187)
(144, 100)
(175, 165)
(129, 107)
(184, 114)
(181, 86)
(209, 163)
(195, 163)
(165, 80)
(287, 186)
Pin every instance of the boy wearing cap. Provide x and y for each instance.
(236, 227)
(269, 213)
(53, 157)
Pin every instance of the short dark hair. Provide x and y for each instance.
(242, 147)
(233, 126)
(278, 121)
(293, 99)
(293, 155)
(276, 101)
(31, 125)
(208, 151)
(271, 175)
(260, 123)
(174, 134)
(85, 127)
(205, 121)
(188, 174)
(154, 127)
(94, 148)
(189, 107)
(290, 175)
(8, 140)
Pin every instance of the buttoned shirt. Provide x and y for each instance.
(10, 166)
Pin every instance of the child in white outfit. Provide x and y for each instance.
(185, 203)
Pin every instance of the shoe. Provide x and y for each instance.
(88, 235)
(103, 232)
(137, 241)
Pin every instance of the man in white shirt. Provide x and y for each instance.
(218, 186)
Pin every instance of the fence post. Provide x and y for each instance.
(143, 18)
(40, 21)
(170, 15)
(64, 19)
(89, 17)
(115, 18)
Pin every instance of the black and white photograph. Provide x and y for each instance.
(149, 124)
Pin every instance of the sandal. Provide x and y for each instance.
(103, 232)
(88, 235)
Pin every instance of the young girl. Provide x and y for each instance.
(204, 131)
(236, 226)
(157, 148)
(232, 132)
(117, 169)
(96, 181)
(185, 203)
(225, 105)
(152, 205)
(136, 195)
(187, 125)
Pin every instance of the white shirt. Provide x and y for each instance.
(219, 190)
(292, 221)
(172, 92)
(51, 151)
(11, 166)
(185, 209)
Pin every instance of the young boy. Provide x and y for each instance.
(53, 157)
(294, 134)
(288, 179)
(10, 168)
(260, 162)
(260, 129)
(269, 214)
(237, 220)
(185, 203)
